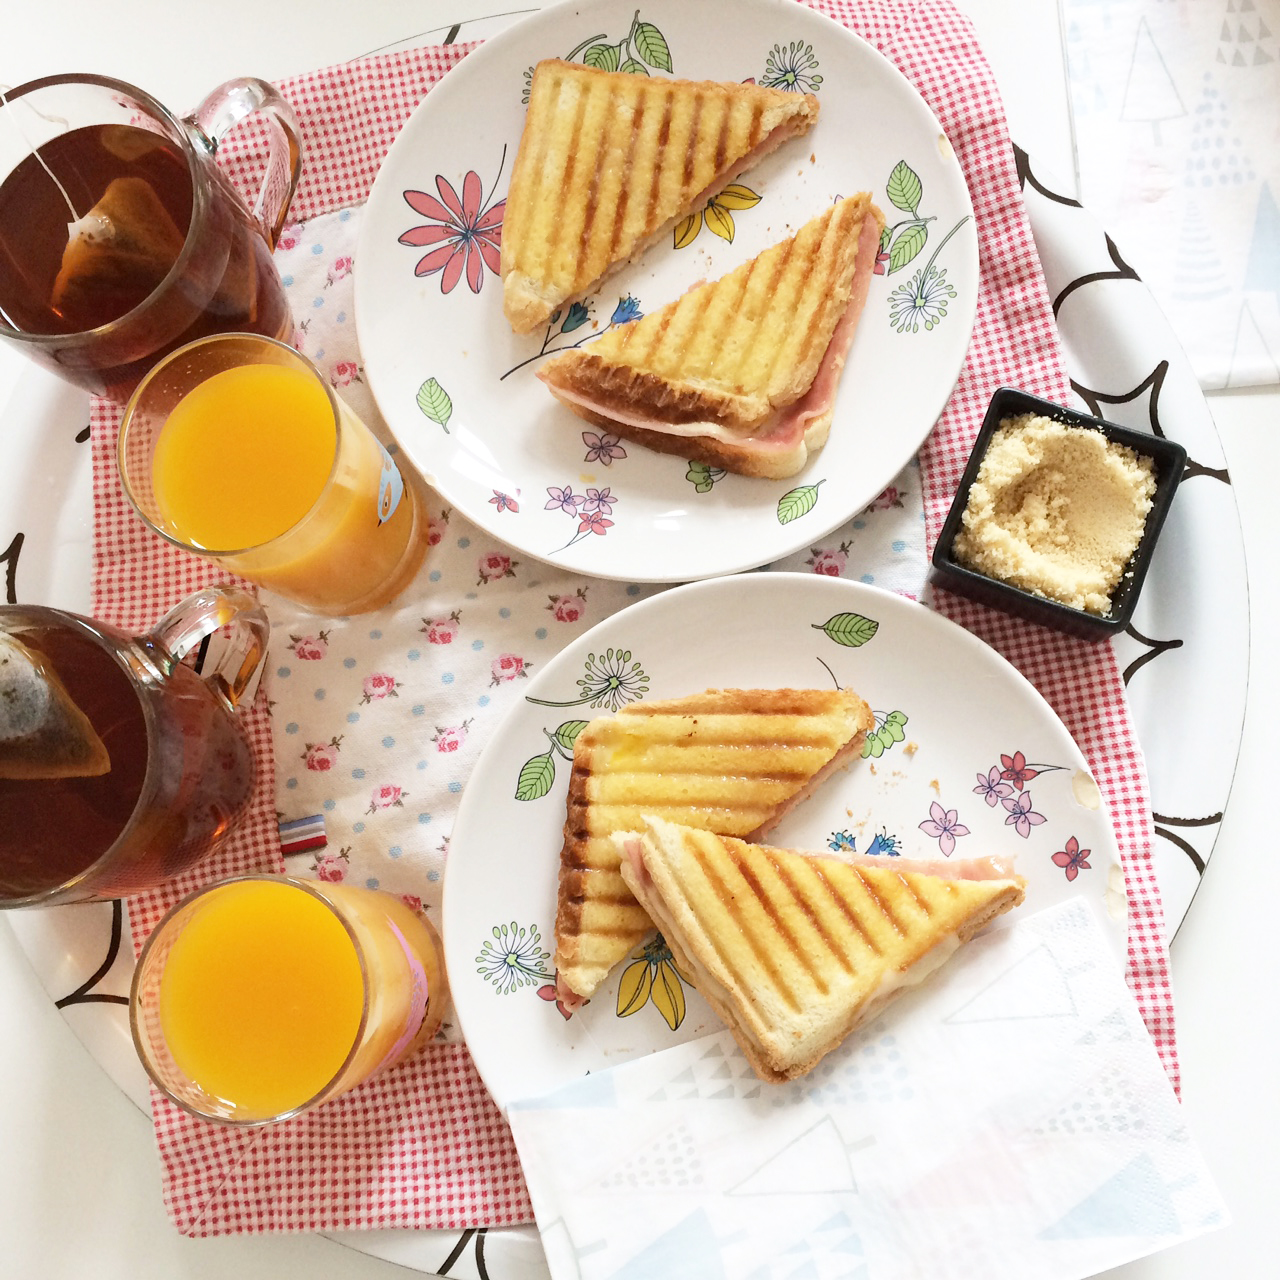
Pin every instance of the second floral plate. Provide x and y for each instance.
(459, 389)
(966, 760)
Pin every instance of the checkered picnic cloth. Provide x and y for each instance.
(424, 1146)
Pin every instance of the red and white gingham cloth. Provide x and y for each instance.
(424, 1146)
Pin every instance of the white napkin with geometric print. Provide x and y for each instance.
(1009, 1120)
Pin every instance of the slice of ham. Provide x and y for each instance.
(783, 429)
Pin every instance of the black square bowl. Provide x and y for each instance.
(1169, 460)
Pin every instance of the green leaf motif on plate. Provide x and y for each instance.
(536, 777)
(652, 46)
(434, 401)
(634, 68)
(798, 502)
(603, 57)
(907, 246)
(904, 187)
(567, 734)
(852, 630)
(885, 737)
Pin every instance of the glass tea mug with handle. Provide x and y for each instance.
(120, 237)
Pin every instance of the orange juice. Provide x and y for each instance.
(262, 996)
(235, 448)
(258, 996)
(276, 423)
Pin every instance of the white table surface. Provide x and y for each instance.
(79, 1178)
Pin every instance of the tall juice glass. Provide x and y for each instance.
(236, 448)
(257, 998)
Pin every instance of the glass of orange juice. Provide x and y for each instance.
(259, 997)
(236, 448)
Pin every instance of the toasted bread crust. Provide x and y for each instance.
(609, 162)
(731, 353)
(792, 950)
(626, 765)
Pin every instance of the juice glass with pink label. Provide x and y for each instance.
(260, 997)
(236, 448)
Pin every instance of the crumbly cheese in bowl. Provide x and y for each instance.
(1057, 510)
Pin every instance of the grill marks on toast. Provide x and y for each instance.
(739, 346)
(793, 950)
(608, 161)
(725, 761)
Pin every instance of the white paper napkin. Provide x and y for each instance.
(1175, 110)
(1009, 1121)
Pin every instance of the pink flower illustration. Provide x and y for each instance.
(1021, 816)
(412, 901)
(379, 686)
(387, 796)
(594, 524)
(891, 497)
(548, 992)
(435, 534)
(344, 373)
(569, 608)
(829, 561)
(322, 756)
(603, 449)
(943, 825)
(465, 234)
(495, 565)
(509, 666)
(991, 788)
(1073, 859)
(310, 648)
(290, 236)
(882, 262)
(441, 630)
(332, 867)
(504, 501)
(450, 739)
(340, 270)
(1016, 770)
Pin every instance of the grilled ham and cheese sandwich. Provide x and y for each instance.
(740, 372)
(728, 760)
(793, 950)
(609, 162)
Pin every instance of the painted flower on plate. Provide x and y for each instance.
(943, 825)
(792, 68)
(1021, 817)
(612, 679)
(992, 788)
(514, 958)
(1015, 769)
(464, 236)
(1073, 859)
(603, 449)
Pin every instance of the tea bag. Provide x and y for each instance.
(125, 244)
(43, 734)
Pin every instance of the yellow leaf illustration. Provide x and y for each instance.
(719, 221)
(633, 990)
(687, 230)
(736, 196)
(668, 994)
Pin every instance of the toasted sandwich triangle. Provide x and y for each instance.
(733, 760)
(740, 372)
(610, 161)
(795, 950)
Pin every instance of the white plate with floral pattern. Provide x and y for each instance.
(966, 760)
(459, 389)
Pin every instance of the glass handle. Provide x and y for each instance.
(238, 99)
(200, 615)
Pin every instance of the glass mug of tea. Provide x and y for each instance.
(121, 239)
(259, 997)
(120, 767)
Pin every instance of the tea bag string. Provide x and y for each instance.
(35, 150)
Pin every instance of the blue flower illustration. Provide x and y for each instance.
(842, 842)
(628, 309)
